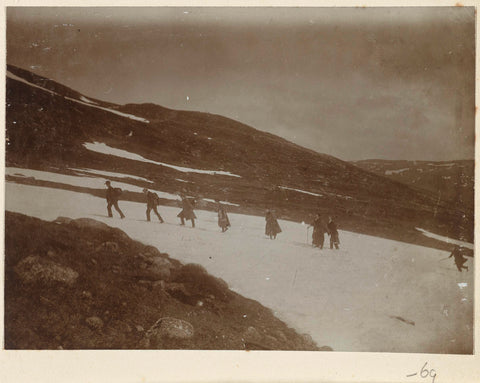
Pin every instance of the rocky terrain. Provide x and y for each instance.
(80, 284)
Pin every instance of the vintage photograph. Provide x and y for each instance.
(240, 178)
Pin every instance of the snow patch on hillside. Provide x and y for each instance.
(446, 165)
(130, 116)
(109, 174)
(300, 191)
(445, 239)
(390, 172)
(222, 202)
(105, 149)
(80, 181)
(87, 103)
(82, 98)
(17, 78)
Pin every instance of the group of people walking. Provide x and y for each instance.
(319, 230)
(152, 200)
(272, 228)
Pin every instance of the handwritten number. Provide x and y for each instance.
(422, 371)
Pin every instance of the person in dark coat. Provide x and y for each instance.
(187, 211)
(113, 195)
(152, 203)
(223, 220)
(272, 228)
(333, 233)
(319, 229)
(459, 258)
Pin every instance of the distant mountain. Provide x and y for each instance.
(48, 125)
(449, 180)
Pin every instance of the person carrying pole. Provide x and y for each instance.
(459, 259)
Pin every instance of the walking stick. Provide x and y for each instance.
(308, 227)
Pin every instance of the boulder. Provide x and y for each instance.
(35, 269)
(281, 336)
(121, 326)
(309, 342)
(167, 329)
(108, 246)
(160, 268)
(150, 251)
(176, 289)
(88, 223)
(251, 334)
(95, 323)
(155, 269)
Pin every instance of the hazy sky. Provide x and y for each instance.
(356, 83)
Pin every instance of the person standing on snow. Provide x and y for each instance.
(333, 233)
(152, 203)
(272, 228)
(459, 258)
(319, 229)
(113, 195)
(223, 220)
(187, 211)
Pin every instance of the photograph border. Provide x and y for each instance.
(232, 366)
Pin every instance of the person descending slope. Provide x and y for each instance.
(319, 229)
(187, 211)
(223, 220)
(272, 228)
(459, 259)
(113, 195)
(333, 233)
(152, 203)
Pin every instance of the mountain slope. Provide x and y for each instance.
(452, 180)
(48, 125)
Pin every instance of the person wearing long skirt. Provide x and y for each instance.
(272, 228)
(319, 229)
(223, 221)
(187, 212)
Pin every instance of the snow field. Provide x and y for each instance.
(346, 299)
(89, 181)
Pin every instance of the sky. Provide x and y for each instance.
(355, 83)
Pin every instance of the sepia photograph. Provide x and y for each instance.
(240, 178)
